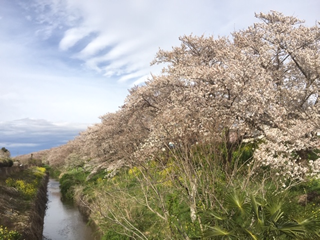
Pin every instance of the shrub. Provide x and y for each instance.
(6, 234)
(39, 172)
(9, 162)
(27, 189)
(6, 163)
(29, 185)
(69, 180)
(246, 215)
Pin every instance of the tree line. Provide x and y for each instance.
(208, 148)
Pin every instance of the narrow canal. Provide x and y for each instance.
(63, 221)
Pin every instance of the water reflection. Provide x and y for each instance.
(63, 221)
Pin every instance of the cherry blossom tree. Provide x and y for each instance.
(215, 95)
(264, 81)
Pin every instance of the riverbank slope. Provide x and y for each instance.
(23, 198)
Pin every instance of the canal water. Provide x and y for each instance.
(63, 221)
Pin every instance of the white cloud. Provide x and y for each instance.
(141, 80)
(133, 75)
(72, 36)
(18, 145)
(96, 45)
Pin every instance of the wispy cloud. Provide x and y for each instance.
(127, 34)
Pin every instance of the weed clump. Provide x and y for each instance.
(6, 234)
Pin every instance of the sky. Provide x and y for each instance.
(64, 63)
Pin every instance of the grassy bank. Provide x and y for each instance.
(18, 193)
(53, 172)
(197, 195)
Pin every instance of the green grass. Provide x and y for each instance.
(135, 202)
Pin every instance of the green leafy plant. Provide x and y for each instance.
(248, 216)
(6, 234)
(69, 180)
